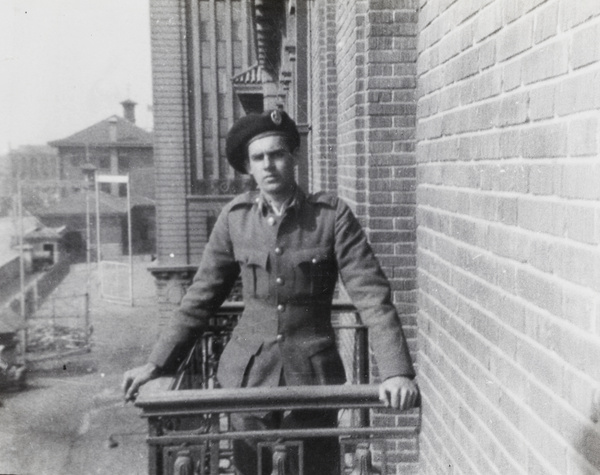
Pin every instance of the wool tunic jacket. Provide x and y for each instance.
(289, 266)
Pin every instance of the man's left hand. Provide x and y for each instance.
(399, 392)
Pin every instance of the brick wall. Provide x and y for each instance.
(376, 164)
(323, 96)
(350, 30)
(509, 227)
(171, 154)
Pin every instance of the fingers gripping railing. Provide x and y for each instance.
(175, 444)
(189, 421)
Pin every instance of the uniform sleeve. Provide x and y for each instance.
(210, 287)
(370, 292)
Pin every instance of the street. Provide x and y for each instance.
(71, 418)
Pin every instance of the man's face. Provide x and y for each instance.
(272, 164)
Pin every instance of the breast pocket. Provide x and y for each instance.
(253, 265)
(315, 271)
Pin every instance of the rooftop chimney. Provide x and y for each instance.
(129, 110)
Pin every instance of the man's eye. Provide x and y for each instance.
(279, 154)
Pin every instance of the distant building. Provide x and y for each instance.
(115, 146)
(71, 211)
(34, 162)
(28, 163)
(45, 245)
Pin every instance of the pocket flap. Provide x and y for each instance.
(252, 257)
(313, 255)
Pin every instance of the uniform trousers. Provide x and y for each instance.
(320, 455)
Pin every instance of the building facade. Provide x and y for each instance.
(114, 146)
(465, 136)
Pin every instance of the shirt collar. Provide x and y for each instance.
(295, 202)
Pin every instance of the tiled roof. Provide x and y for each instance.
(44, 232)
(75, 204)
(128, 135)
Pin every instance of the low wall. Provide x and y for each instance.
(10, 270)
(51, 279)
(41, 287)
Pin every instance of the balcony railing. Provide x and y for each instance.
(189, 417)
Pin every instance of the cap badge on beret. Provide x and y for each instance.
(276, 117)
(253, 126)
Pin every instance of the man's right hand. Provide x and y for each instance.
(137, 377)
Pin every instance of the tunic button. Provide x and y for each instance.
(278, 251)
(271, 220)
(314, 260)
(280, 337)
(280, 307)
(279, 280)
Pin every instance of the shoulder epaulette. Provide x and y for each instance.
(325, 198)
(245, 199)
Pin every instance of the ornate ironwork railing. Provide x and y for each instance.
(189, 418)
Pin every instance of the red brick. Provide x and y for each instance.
(578, 264)
(579, 179)
(515, 39)
(546, 22)
(542, 178)
(548, 62)
(545, 141)
(583, 137)
(512, 74)
(542, 102)
(488, 21)
(580, 12)
(513, 109)
(578, 93)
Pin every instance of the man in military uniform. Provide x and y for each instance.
(289, 248)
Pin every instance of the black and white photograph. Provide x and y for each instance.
(299, 237)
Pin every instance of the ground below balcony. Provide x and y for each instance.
(71, 418)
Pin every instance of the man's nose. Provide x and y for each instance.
(267, 161)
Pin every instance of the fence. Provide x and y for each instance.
(60, 326)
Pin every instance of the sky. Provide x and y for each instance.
(67, 64)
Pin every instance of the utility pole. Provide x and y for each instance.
(21, 232)
(88, 170)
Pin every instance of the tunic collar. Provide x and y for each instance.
(294, 202)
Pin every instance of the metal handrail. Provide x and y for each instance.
(188, 427)
(206, 401)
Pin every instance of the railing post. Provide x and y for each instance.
(205, 360)
(154, 452)
(279, 460)
(363, 463)
(361, 359)
(183, 464)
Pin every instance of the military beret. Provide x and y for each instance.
(272, 122)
